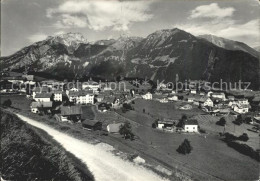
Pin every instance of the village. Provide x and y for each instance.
(65, 100)
(152, 113)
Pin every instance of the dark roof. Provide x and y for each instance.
(57, 91)
(70, 110)
(41, 89)
(80, 93)
(191, 122)
(43, 95)
(41, 104)
(90, 122)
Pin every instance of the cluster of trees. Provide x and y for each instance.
(242, 119)
(230, 137)
(126, 131)
(185, 147)
(126, 107)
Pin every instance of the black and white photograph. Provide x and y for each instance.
(130, 90)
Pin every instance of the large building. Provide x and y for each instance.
(43, 97)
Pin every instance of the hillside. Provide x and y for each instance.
(30, 154)
(159, 56)
(229, 44)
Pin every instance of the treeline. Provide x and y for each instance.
(231, 141)
(26, 155)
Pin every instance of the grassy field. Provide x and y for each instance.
(18, 101)
(164, 110)
(210, 158)
(208, 123)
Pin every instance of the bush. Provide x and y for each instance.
(133, 102)
(202, 130)
(185, 147)
(229, 137)
(7, 103)
(243, 137)
(221, 122)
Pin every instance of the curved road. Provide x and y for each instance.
(102, 163)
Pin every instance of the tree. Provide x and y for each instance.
(222, 122)
(155, 123)
(185, 147)
(126, 131)
(7, 103)
(182, 120)
(239, 120)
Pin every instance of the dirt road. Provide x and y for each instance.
(102, 163)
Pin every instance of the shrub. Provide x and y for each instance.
(221, 122)
(185, 147)
(239, 120)
(202, 130)
(243, 137)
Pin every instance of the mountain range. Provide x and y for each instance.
(160, 56)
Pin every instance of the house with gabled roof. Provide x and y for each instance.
(43, 97)
(57, 95)
(190, 125)
(70, 113)
(36, 106)
(206, 101)
(219, 95)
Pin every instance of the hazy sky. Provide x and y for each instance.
(24, 22)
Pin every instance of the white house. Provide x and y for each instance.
(85, 98)
(173, 98)
(206, 101)
(57, 95)
(81, 97)
(190, 99)
(191, 126)
(147, 96)
(242, 101)
(193, 91)
(219, 95)
(242, 109)
(43, 97)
